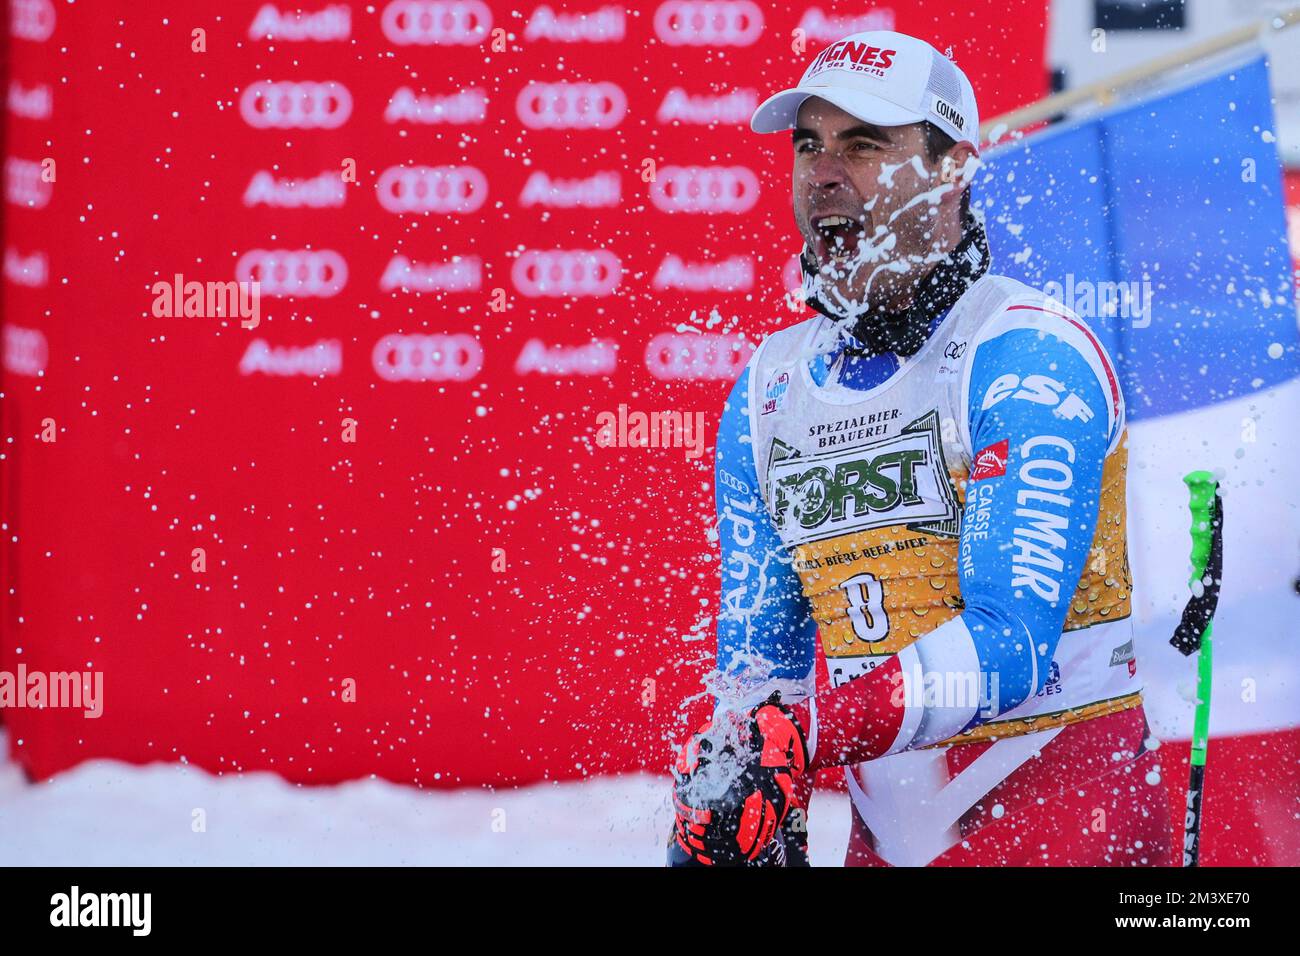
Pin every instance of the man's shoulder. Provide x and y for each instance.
(1001, 302)
(791, 336)
(783, 346)
(1006, 304)
(1015, 316)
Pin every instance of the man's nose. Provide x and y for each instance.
(828, 172)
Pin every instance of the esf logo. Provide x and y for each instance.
(1040, 390)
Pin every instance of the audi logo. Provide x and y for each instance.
(429, 22)
(299, 273)
(451, 189)
(561, 272)
(31, 19)
(427, 358)
(25, 351)
(286, 104)
(704, 189)
(708, 22)
(571, 105)
(24, 184)
(671, 355)
(792, 276)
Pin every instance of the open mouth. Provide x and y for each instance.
(837, 238)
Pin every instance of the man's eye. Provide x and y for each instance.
(863, 144)
(804, 146)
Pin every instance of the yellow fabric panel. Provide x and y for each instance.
(919, 589)
(1105, 587)
(1025, 725)
(917, 571)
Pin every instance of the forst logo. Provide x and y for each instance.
(858, 57)
(876, 484)
(899, 480)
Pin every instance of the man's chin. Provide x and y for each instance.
(850, 300)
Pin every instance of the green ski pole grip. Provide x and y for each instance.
(1202, 490)
(1201, 486)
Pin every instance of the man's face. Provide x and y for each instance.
(882, 181)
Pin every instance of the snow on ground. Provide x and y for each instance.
(104, 812)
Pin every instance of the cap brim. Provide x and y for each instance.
(778, 111)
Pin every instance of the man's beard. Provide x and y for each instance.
(876, 330)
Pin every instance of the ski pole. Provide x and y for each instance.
(1194, 636)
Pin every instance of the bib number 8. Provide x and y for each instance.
(866, 599)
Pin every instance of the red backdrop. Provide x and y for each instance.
(1293, 218)
(373, 560)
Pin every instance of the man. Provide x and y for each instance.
(931, 473)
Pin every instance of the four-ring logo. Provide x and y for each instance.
(444, 22)
(558, 272)
(671, 355)
(704, 189)
(286, 104)
(432, 188)
(708, 22)
(427, 358)
(571, 105)
(294, 272)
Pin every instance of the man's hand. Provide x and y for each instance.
(741, 791)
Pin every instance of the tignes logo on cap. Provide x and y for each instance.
(844, 55)
(884, 78)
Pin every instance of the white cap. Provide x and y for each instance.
(884, 78)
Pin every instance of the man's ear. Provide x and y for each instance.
(957, 167)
